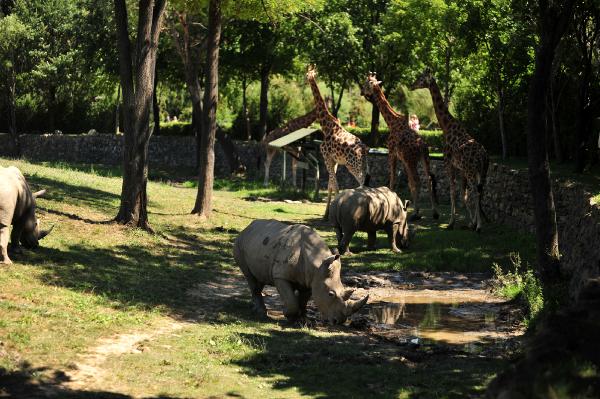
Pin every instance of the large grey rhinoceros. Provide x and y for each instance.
(17, 207)
(369, 209)
(299, 264)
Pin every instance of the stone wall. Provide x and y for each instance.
(506, 198)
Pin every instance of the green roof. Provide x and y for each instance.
(293, 136)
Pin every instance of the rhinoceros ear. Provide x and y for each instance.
(347, 294)
(39, 193)
(329, 265)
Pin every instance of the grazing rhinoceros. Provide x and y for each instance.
(17, 207)
(369, 209)
(297, 261)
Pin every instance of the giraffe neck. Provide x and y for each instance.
(322, 111)
(389, 115)
(441, 109)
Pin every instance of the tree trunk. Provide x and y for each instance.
(582, 120)
(553, 26)
(554, 121)
(448, 73)
(117, 109)
(203, 205)
(233, 158)
(14, 144)
(137, 83)
(52, 108)
(155, 106)
(245, 109)
(501, 123)
(264, 99)
(335, 105)
(374, 134)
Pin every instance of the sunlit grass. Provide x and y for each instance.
(92, 279)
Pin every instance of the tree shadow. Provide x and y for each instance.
(346, 365)
(138, 275)
(75, 194)
(41, 382)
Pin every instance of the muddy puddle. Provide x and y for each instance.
(435, 309)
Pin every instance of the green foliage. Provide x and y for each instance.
(519, 282)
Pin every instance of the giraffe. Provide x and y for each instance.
(462, 154)
(339, 147)
(403, 144)
(292, 125)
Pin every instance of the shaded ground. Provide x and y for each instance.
(168, 315)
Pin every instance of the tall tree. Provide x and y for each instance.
(247, 9)
(553, 19)
(587, 37)
(203, 206)
(13, 35)
(136, 70)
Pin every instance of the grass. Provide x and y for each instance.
(92, 279)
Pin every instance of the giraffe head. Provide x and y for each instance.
(368, 89)
(423, 81)
(311, 72)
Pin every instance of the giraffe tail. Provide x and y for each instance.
(434, 187)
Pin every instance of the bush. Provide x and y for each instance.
(176, 128)
(521, 284)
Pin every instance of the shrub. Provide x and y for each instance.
(176, 128)
(520, 283)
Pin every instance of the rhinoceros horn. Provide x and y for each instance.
(354, 306)
(44, 233)
(39, 193)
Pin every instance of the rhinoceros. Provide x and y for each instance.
(17, 207)
(296, 260)
(369, 209)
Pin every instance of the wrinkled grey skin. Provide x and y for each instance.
(17, 208)
(299, 264)
(369, 209)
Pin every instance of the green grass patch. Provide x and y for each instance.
(92, 279)
(518, 282)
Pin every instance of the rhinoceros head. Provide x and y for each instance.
(31, 233)
(329, 293)
(401, 231)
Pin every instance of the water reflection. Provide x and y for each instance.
(440, 322)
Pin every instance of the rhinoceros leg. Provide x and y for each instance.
(345, 243)
(371, 240)
(4, 259)
(303, 298)
(15, 239)
(291, 304)
(392, 231)
(256, 288)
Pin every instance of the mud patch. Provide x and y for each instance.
(436, 309)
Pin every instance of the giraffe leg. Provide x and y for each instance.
(331, 167)
(270, 154)
(432, 185)
(466, 190)
(478, 211)
(414, 184)
(294, 167)
(452, 181)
